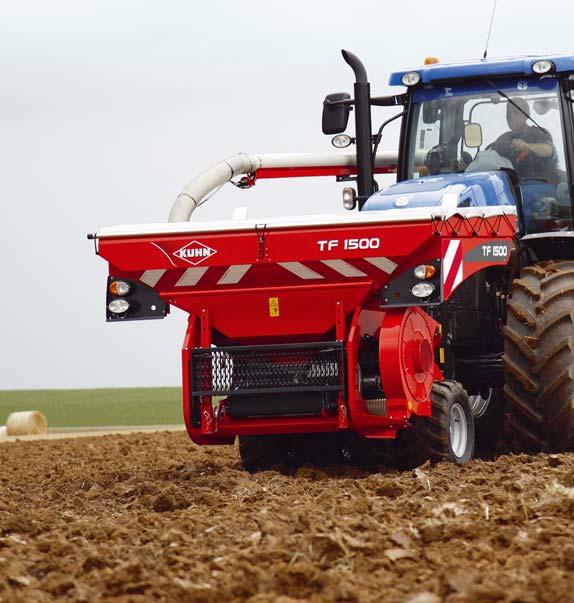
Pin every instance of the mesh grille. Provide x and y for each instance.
(265, 369)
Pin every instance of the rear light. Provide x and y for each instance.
(119, 288)
(423, 289)
(119, 306)
(424, 271)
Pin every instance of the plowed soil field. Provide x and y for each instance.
(152, 517)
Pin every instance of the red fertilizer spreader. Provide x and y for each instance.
(305, 325)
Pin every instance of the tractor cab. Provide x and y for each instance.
(510, 121)
(492, 132)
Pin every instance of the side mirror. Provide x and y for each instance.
(335, 113)
(472, 136)
(543, 105)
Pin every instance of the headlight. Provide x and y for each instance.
(424, 271)
(119, 288)
(412, 78)
(341, 141)
(118, 306)
(422, 289)
(542, 66)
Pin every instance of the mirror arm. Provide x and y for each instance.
(345, 103)
(389, 101)
(376, 101)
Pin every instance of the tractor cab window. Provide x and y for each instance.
(485, 127)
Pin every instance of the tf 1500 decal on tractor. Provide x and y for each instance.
(404, 329)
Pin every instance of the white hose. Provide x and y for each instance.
(195, 193)
(217, 175)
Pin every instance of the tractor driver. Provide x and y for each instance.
(533, 156)
(529, 148)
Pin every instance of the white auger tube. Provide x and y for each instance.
(196, 192)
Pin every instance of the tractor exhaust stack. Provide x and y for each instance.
(363, 133)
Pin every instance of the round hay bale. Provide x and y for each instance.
(28, 422)
(3, 434)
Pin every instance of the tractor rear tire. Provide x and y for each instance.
(447, 435)
(539, 357)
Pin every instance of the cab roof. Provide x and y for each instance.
(518, 66)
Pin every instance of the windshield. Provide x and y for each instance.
(491, 126)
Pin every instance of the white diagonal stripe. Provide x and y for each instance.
(449, 257)
(233, 274)
(383, 264)
(191, 277)
(300, 270)
(151, 277)
(457, 278)
(343, 268)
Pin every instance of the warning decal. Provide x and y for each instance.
(273, 306)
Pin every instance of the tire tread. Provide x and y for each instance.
(539, 356)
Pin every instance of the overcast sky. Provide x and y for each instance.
(108, 108)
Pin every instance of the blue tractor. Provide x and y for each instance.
(497, 132)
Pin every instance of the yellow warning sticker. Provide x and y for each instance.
(273, 306)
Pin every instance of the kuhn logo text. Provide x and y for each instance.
(194, 253)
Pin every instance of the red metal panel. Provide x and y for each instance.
(285, 245)
(463, 257)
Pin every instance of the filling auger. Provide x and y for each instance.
(407, 330)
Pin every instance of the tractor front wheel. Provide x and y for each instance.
(539, 357)
(447, 435)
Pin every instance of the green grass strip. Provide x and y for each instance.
(97, 407)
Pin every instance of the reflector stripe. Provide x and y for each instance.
(449, 257)
(300, 270)
(233, 274)
(383, 264)
(458, 277)
(453, 267)
(151, 277)
(191, 277)
(343, 268)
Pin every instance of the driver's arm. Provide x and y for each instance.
(541, 149)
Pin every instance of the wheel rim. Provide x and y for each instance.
(479, 403)
(458, 430)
